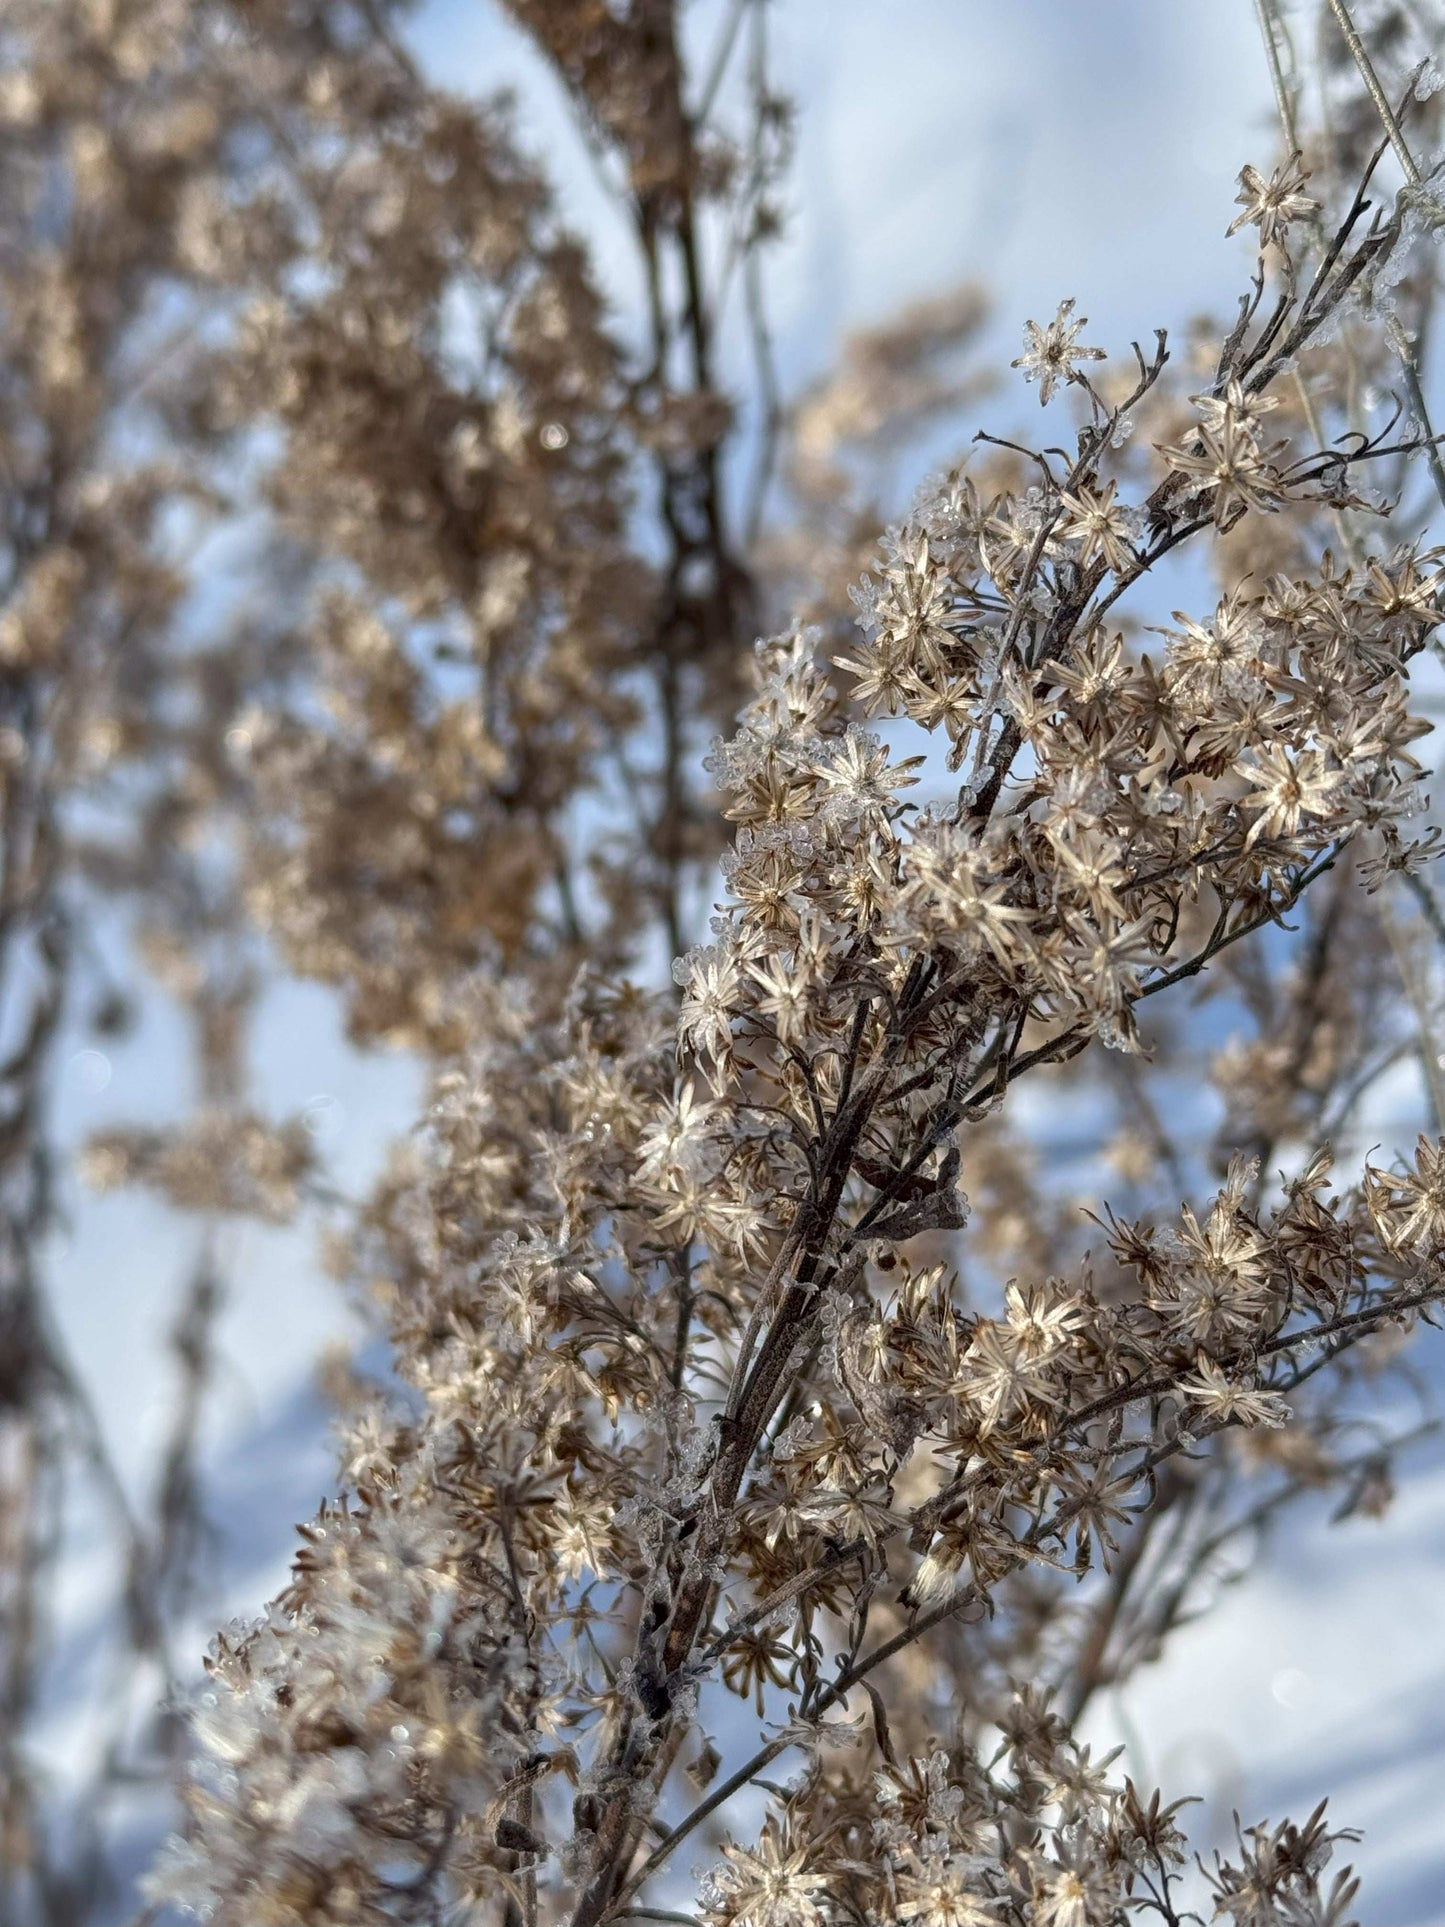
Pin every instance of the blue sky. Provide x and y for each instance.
(1049, 148)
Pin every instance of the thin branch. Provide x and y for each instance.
(1284, 100)
(1388, 119)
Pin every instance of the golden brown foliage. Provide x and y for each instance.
(742, 1343)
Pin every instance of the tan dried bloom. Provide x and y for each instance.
(1051, 352)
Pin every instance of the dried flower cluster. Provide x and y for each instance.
(756, 1390)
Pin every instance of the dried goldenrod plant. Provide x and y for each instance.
(761, 1399)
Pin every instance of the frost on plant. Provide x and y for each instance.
(777, 1448)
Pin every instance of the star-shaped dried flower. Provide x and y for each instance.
(770, 1885)
(1100, 525)
(1287, 789)
(1275, 204)
(1050, 353)
(1220, 1398)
